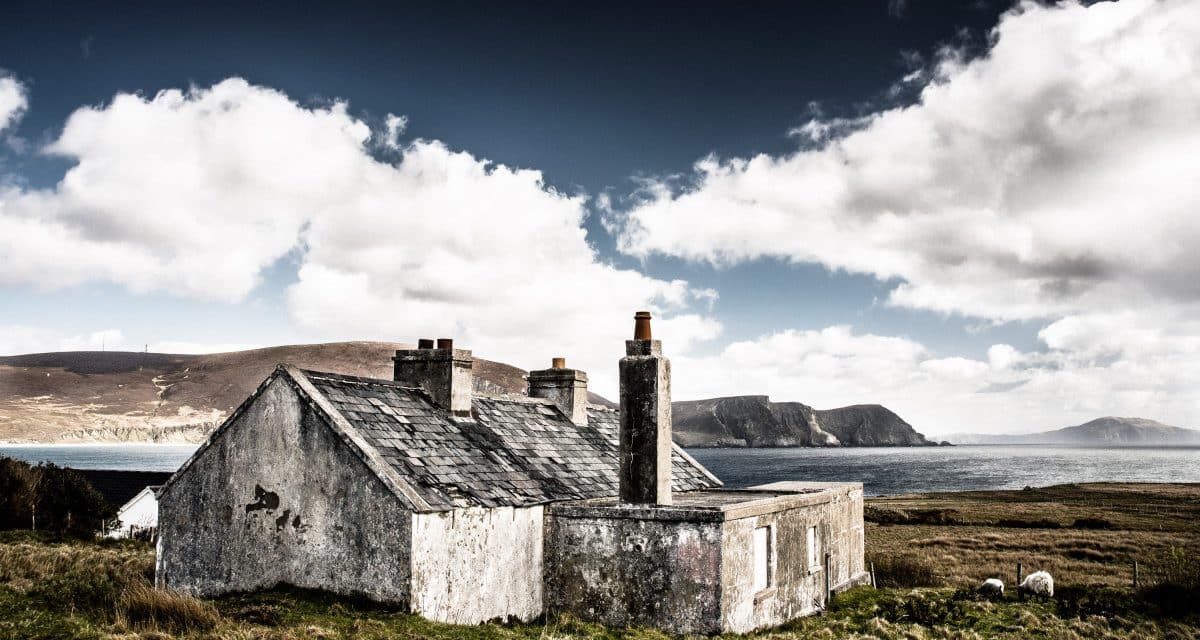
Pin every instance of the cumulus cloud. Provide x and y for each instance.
(13, 100)
(393, 127)
(1089, 367)
(194, 193)
(1052, 175)
(1051, 179)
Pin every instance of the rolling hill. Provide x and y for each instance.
(111, 396)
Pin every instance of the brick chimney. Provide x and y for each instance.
(445, 373)
(645, 468)
(566, 387)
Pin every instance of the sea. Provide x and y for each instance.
(882, 470)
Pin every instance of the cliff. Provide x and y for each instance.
(755, 421)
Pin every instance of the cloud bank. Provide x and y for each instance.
(195, 193)
(1053, 178)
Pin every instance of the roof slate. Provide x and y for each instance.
(511, 452)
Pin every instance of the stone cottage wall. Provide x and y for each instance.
(278, 498)
(473, 565)
(624, 571)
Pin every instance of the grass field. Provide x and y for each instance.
(53, 589)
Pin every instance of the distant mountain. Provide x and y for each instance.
(755, 421)
(114, 396)
(1110, 431)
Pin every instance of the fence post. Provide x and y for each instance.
(1020, 593)
(1135, 574)
(873, 584)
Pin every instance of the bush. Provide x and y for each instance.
(49, 498)
(917, 516)
(1171, 581)
(1092, 523)
(1015, 523)
(904, 571)
(143, 606)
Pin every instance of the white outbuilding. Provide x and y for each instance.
(137, 517)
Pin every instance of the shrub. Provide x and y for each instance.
(142, 606)
(1171, 581)
(917, 516)
(1092, 523)
(49, 498)
(904, 571)
(1014, 523)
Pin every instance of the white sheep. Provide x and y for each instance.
(1038, 583)
(992, 587)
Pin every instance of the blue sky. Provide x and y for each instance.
(918, 204)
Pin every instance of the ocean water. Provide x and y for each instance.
(893, 470)
(883, 471)
(132, 457)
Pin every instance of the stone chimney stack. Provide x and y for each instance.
(645, 468)
(445, 373)
(566, 387)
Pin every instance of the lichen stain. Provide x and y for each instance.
(263, 499)
(281, 521)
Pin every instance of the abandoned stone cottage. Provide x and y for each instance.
(466, 508)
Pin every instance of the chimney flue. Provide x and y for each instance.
(645, 433)
(445, 373)
(558, 363)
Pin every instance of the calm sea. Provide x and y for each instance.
(883, 471)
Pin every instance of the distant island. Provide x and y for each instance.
(1107, 431)
(755, 421)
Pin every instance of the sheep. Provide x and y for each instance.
(992, 587)
(1038, 583)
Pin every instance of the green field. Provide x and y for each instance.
(929, 551)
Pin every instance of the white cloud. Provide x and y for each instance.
(1124, 369)
(196, 192)
(13, 100)
(393, 127)
(1054, 175)
(1052, 178)
(21, 339)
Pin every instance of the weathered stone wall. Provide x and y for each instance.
(473, 565)
(631, 572)
(279, 498)
(691, 568)
(797, 588)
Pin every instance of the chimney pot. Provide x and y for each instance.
(641, 325)
(558, 363)
(445, 343)
(425, 343)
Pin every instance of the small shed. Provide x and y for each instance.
(137, 518)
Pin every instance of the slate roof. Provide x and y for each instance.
(119, 486)
(511, 452)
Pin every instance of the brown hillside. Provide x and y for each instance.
(124, 396)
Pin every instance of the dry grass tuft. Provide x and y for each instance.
(144, 607)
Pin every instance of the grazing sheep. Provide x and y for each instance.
(992, 587)
(1038, 583)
